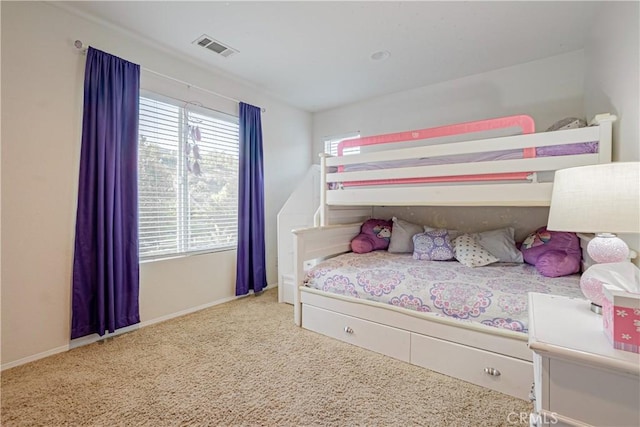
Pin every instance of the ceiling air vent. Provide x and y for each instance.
(214, 46)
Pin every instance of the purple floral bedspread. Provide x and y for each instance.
(494, 295)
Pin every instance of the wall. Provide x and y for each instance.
(548, 90)
(612, 74)
(612, 80)
(42, 78)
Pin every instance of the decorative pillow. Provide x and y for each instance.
(567, 123)
(554, 253)
(432, 246)
(501, 243)
(401, 236)
(470, 253)
(452, 233)
(374, 234)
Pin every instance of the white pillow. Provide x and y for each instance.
(501, 243)
(470, 253)
(402, 234)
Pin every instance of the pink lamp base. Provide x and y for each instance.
(592, 290)
(607, 247)
(604, 248)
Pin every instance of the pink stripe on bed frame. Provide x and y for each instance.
(524, 122)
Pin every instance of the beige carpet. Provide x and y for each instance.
(240, 363)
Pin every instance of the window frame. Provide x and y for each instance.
(329, 142)
(182, 187)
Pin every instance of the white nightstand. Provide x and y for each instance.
(580, 379)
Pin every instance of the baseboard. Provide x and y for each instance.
(34, 357)
(90, 339)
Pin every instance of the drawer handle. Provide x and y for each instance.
(492, 371)
(348, 330)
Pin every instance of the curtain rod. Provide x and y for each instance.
(81, 46)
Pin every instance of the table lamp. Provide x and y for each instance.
(603, 199)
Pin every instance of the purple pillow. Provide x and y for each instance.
(554, 253)
(374, 235)
(557, 263)
(432, 246)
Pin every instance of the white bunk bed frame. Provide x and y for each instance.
(494, 358)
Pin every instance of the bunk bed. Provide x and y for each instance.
(409, 169)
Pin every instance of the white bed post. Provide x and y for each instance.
(605, 122)
(323, 189)
(298, 272)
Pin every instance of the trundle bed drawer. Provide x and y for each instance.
(370, 335)
(497, 372)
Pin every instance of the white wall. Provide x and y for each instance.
(612, 79)
(612, 74)
(42, 80)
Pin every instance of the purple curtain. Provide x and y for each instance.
(105, 263)
(250, 269)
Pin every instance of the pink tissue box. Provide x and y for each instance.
(621, 318)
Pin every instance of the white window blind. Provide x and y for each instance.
(331, 144)
(187, 178)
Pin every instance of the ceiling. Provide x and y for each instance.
(317, 55)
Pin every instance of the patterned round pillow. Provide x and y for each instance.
(432, 246)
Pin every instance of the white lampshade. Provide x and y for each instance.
(601, 199)
(595, 199)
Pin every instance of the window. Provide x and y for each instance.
(187, 178)
(331, 144)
